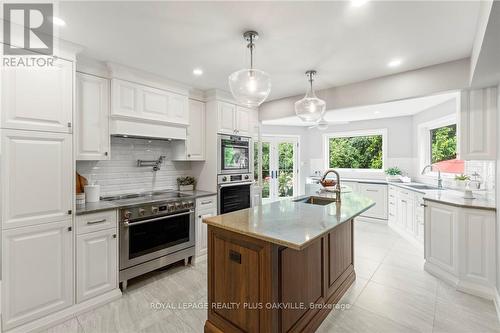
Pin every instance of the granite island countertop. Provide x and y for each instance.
(92, 207)
(290, 223)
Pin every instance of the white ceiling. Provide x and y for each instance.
(344, 43)
(401, 108)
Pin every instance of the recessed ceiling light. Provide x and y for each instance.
(197, 71)
(358, 3)
(376, 112)
(58, 21)
(395, 62)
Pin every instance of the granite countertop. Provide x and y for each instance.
(92, 207)
(445, 196)
(290, 223)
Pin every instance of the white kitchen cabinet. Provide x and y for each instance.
(226, 118)
(195, 143)
(205, 208)
(92, 114)
(460, 247)
(37, 177)
(97, 263)
(148, 104)
(37, 272)
(377, 193)
(124, 98)
(477, 124)
(441, 236)
(39, 99)
(243, 124)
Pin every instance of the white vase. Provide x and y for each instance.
(186, 187)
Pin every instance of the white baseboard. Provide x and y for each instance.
(370, 219)
(467, 287)
(496, 300)
(66, 314)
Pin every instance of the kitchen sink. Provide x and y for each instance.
(313, 200)
(422, 187)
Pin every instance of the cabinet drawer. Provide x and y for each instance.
(405, 194)
(206, 203)
(96, 221)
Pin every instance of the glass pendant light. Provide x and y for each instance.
(310, 108)
(250, 86)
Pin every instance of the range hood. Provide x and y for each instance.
(131, 128)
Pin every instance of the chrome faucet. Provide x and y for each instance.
(440, 180)
(337, 186)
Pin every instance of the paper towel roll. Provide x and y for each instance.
(92, 193)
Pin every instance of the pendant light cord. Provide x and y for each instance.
(251, 46)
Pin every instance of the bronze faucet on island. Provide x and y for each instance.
(328, 182)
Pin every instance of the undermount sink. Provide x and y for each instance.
(422, 187)
(313, 200)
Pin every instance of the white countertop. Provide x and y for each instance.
(290, 223)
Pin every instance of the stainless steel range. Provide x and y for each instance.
(155, 229)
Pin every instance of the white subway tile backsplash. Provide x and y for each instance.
(121, 173)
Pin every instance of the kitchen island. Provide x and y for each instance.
(282, 266)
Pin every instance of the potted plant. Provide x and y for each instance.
(187, 183)
(461, 181)
(393, 174)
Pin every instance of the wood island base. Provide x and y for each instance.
(258, 286)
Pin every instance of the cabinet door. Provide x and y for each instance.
(39, 99)
(477, 246)
(124, 98)
(441, 236)
(37, 272)
(243, 116)
(477, 124)
(202, 231)
(37, 177)
(226, 116)
(97, 264)
(178, 109)
(377, 193)
(196, 131)
(92, 112)
(155, 103)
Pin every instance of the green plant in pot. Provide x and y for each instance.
(393, 174)
(461, 181)
(187, 183)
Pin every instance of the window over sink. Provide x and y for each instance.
(360, 150)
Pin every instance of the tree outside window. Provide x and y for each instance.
(356, 152)
(444, 149)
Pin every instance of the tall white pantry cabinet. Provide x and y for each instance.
(37, 179)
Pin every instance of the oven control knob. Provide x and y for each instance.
(191, 204)
(178, 205)
(224, 179)
(154, 209)
(127, 214)
(170, 207)
(141, 211)
(246, 177)
(185, 204)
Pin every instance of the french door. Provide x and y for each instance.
(279, 167)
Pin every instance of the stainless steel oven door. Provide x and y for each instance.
(234, 154)
(234, 196)
(142, 240)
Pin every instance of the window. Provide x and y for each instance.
(443, 149)
(356, 150)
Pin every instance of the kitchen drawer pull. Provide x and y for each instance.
(96, 221)
(371, 190)
(423, 205)
(392, 196)
(206, 202)
(403, 201)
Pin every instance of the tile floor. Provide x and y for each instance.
(392, 293)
